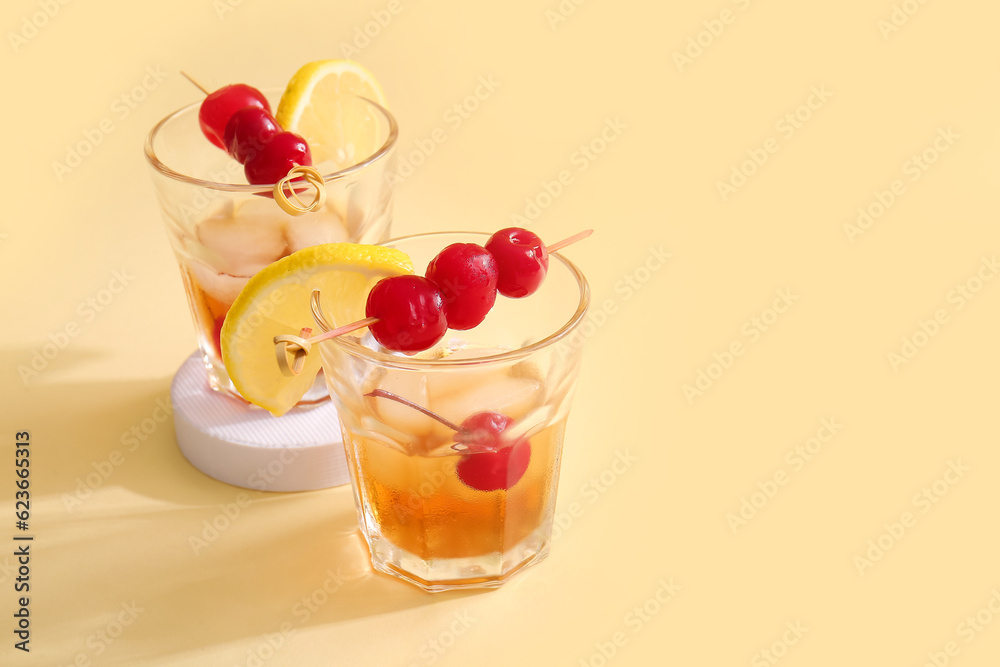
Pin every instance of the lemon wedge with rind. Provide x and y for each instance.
(320, 104)
(276, 302)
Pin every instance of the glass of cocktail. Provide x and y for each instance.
(454, 451)
(224, 230)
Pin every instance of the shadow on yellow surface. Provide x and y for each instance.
(130, 535)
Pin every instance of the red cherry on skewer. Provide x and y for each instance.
(219, 106)
(466, 274)
(280, 154)
(522, 260)
(248, 131)
(237, 118)
(410, 313)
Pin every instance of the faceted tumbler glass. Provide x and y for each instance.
(224, 230)
(423, 507)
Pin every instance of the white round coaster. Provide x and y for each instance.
(247, 446)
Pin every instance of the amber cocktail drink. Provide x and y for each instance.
(454, 451)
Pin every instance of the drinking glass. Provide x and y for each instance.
(437, 508)
(224, 230)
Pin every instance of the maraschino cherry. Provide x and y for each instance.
(281, 153)
(492, 462)
(410, 312)
(220, 105)
(522, 260)
(248, 131)
(237, 118)
(466, 274)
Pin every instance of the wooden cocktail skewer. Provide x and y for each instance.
(197, 85)
(570, 240)
(292, 360)
(309, 173)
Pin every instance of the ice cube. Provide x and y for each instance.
(357, 208)
(355, 216)
(323, 226)
(247, 241)
(459, 394)
(368, 340)
(220, 286)
(402, 418)
(336, 200)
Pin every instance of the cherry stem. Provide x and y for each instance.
(198, 85)
(382, 393)
(579, 236)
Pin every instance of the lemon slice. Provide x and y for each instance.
(276, 302)
(339, 130)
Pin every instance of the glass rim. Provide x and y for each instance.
(406, 363)
(163, 169)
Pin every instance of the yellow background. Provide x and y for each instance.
(682, 127)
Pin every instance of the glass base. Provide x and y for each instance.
(219, 381)
(437, 575)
